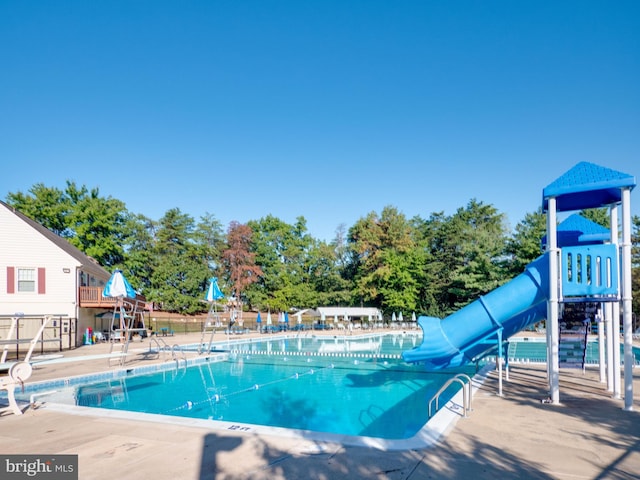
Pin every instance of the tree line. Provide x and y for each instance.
(430, 265)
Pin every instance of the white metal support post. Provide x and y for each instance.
(500, 359)
(626, 299)
(608, 314)
(552, 304)
(615, 315)
(602, 351)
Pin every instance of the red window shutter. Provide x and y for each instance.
(41, 281)
(11, 280)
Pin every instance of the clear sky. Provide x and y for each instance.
(323, 109)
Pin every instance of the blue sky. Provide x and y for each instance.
(322, 109)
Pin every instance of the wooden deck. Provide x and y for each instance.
(91, 297)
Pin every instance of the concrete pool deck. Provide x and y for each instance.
(588, 436)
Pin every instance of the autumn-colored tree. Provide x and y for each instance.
(239, 260)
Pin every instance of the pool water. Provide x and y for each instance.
(333, 385)
(375, 399)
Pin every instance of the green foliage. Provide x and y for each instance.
(284, 253)
(477, 236)
(432, 265)
(94, 224)
(139, 261)
(597, 215)
(50, 207)
(525, 245)
(384, 257)
(181, 265)
(98, 224)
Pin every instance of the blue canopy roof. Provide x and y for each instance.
(587, 186)
(577, 230)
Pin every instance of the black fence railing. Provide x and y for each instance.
(16, 333)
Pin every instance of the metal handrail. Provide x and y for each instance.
(162, 345)
(176, 348)
(466, 393)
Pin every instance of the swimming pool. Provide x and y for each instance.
(337, 385)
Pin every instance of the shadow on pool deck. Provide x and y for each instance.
(588, 436)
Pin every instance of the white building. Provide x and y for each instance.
(43, 274)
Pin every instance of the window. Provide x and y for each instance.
(26, 279)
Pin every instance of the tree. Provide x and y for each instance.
(239, 260)
(435, 264)
(476, 238)
(327, 276)
(181, 267)
(210, 235)
(382, 246)
(597, 215)
(283, 252)
(139, 260)
(88, 221)
(48, 206)
(525, 244)
(98, 224)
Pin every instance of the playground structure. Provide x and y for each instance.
(581, 264)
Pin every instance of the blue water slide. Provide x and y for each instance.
(466, 334)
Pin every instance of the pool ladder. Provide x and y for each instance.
(160, 343)
(463, 380)
(175, 349)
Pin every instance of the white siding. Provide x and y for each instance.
(23, 246)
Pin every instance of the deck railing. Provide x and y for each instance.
(91, 297)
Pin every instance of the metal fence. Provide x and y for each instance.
(58, 335)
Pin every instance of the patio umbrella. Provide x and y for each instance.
(286, 318)
(393, 317)
(118, 286)
(213, 292)
(400, 317)
(413, 317)
(258, 318)
(269, 318)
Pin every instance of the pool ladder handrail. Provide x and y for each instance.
(162, 345)
(466, 393)
(174, 355)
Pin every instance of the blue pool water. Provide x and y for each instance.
(335, 385)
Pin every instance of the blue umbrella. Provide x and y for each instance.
(118, 286)
(213, 293)
(258, 318)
